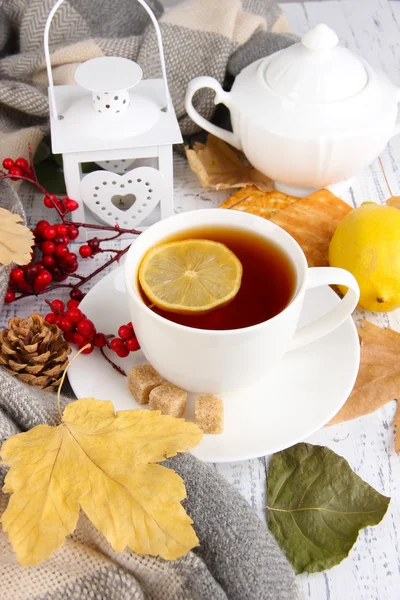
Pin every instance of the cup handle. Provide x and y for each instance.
(316, 277)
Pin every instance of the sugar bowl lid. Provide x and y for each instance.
(317, 69)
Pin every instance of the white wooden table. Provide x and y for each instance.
(372, 571)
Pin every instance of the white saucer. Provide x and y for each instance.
(298, 398)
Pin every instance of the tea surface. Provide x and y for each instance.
(268, 281)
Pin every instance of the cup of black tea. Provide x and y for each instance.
(236, 343)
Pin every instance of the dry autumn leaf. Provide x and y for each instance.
(219, 167)
(378, 380)
(311, 220)
(263, 204)
(394, 201)
(100, 461)
(16, 240)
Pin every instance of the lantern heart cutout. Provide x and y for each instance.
(123, 202)
(124, 199)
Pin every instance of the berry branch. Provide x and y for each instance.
(114, 366)
(54, 266)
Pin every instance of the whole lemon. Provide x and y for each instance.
(367, 243)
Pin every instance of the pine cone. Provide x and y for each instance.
(34, 351)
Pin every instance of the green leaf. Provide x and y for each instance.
(42, 152)
(317, 505)
(51, 177)
(57, 158)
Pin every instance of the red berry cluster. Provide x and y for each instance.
(90, 249)
(126, 342)
(56, 262)
(80, 330)
(77, 328)
(64, 205)
(18, 168)
(52, 241)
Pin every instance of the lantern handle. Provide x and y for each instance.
(53, 105)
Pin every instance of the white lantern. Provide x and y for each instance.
(127, 126)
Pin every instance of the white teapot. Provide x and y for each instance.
(310, 116)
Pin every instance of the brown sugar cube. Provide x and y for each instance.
(168, 398)
(141, 380)
(209, 414)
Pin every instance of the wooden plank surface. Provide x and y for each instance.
(372, 571)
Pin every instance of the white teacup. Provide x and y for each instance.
(210, 361)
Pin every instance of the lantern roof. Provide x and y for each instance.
(146, 122)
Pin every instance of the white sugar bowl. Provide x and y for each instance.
(310, 116)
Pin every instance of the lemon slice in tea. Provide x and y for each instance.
(190, 276)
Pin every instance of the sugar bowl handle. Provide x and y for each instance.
(220, 97)
(316, 277)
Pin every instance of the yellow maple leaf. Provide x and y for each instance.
(100, 461)
(16, 240)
